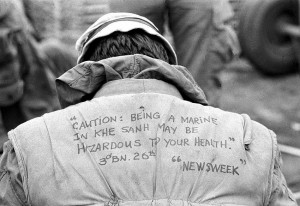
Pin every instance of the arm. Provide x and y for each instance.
(280, 193)
(11, 188)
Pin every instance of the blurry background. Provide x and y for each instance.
(273, 101)
(65, 20)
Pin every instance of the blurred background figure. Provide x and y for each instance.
(203, 37)
(27, 69)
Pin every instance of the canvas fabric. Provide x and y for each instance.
(144, 148)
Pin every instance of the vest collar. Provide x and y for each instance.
(83, 81)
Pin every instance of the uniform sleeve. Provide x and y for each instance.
(281, 195)
(11, 188)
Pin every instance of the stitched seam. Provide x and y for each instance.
(15, 193)
(271, 170)
(21, 159)
(3, 173)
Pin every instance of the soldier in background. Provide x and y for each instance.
(27, 69)
(203, 36)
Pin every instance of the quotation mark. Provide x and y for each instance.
(176, 159)
(243, 161)
(142, 107)
(73, 118)
(231, 139)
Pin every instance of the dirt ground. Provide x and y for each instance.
(274, 102)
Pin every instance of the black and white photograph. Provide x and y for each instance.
(150, 102)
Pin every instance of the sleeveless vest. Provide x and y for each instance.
(144, 149)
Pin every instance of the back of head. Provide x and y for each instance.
(120, 43)
(117, 34)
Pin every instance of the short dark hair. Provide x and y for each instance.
(118, 43)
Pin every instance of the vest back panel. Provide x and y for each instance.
(141, 149)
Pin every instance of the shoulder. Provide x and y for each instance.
(252, 129)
